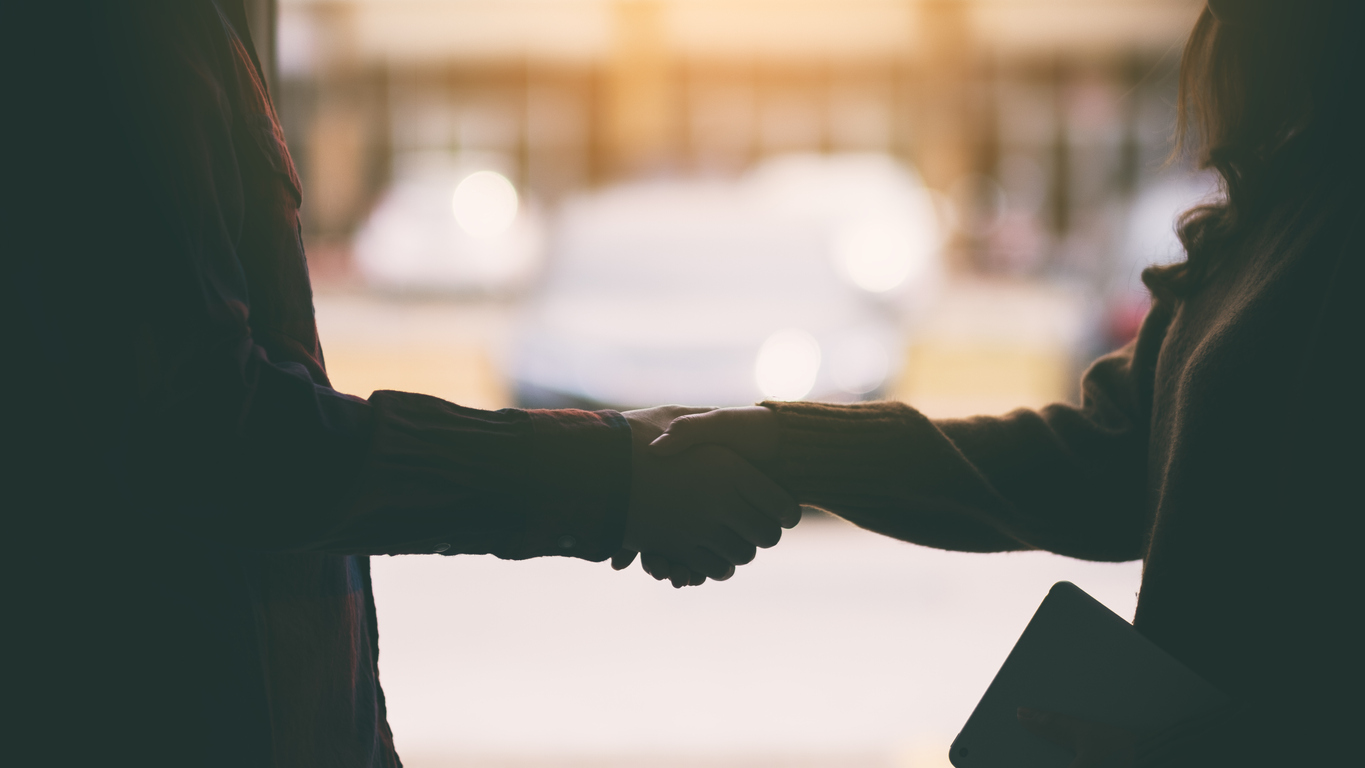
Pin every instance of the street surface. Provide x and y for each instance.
(837, 649)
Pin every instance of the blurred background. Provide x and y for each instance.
(618, 203)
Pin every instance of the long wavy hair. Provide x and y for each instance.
(1269, 90)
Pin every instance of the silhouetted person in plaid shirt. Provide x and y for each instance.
(192, 503)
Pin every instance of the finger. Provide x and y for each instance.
(688, 410)
(697, 580)
(655, 565)
(710, 564)
(768, 497)
(731, 546)
(711, 426)
(679, 575)
(678, 436)
(754, 526)
(622, 559)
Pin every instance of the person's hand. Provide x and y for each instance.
(696, 515)
(751, 431)
(1095, 744)
(646, 424)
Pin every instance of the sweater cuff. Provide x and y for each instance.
(582, 462)
(824, 446)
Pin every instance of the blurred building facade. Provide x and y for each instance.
(1028, 117)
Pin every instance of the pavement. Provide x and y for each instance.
(839, 648)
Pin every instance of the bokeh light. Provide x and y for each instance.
(877, 255)
(860, 365)
(485, 204)
(787, 365)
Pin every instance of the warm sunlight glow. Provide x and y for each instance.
(485, 204)
(787, 365)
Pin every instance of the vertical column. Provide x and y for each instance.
(338, 136)
(261, 16)
(1059, 196)
(945, 147)
(1130, 148)
(640, 105)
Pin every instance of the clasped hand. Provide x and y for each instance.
(696, 510)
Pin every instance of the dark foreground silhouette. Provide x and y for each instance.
(190, 505)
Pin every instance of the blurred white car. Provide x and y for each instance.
(450, 225)
(789, 283)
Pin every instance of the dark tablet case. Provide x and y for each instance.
(1079, 658)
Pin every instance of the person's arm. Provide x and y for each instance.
(1069, 479)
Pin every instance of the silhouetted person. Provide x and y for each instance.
(1223, 446)
(190, 504)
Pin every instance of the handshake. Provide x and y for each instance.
(698, 506)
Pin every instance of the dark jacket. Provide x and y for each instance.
(1222, 447)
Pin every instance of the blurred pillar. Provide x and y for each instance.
(1059, 195)
(946, 146)
(640, 104)
(261, 16)
(1135, 70)
(338, 136)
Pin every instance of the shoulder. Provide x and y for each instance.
(172, 57)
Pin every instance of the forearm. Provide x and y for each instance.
(1051, 479)
(887, 468)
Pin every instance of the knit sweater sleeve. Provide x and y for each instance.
(1069, 479)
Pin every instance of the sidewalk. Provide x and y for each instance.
(838, 648)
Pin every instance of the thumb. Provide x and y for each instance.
(680, 434)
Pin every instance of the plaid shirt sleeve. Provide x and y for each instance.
(514, 483)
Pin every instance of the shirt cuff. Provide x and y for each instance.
(581, 462)
(517, 484)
